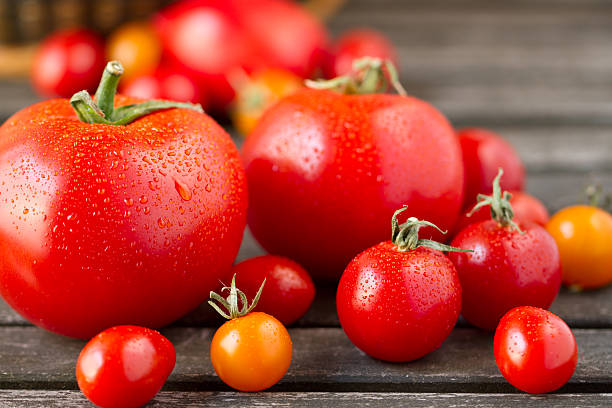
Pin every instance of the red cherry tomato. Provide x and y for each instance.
(165, 83)
(288, 292)
(113, 224)
(535, 350)
(356, 44)
(398, 304)
(124, 366)
(67, 62)
(484, 152)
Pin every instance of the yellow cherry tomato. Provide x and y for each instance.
(136, 46)
(584, 236)
(258, 92)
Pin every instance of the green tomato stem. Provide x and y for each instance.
(231, 302)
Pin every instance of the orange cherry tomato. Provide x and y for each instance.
(260, 91)
(584, 236)
(251, 351)
(136, 46)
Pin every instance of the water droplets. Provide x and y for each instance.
(183, 190)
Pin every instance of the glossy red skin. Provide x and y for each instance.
(535, 350)
(166, 84)
(484, 152)
(526, 208)
(507, 269)
(288, 291)
(67, 62)
(103, 225)
(326, 172)
(356, 44)
(124, 366)
(398, 306)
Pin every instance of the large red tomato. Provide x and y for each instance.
(105, 224)
(327, 170)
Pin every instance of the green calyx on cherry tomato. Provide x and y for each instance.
(124, 366)
(399, 300)
(534, 349)
(252, 351)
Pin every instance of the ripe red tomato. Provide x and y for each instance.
(399, 303)
(484, 152)
(124, 366)
(165, 83)
(535, 350)
(326, 171)
(356, 44)
(511, 264)
(526, 208)
(288, 292)
(67, 62)
(115, 224)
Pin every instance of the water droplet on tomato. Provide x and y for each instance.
(183, 190)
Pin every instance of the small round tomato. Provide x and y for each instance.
(484, 152)
(136, 46)
(535, 350)
(289, 290)
(399, 300)
(252, 351)
(584, 236)
(67, 62)
(124, 366)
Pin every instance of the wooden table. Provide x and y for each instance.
(540, 73)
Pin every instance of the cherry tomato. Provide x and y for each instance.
(584, 236)
(165, 83)
(124, 366)
(136, 46)
(288, 292)
(484, 152)
(356, 44)
(252, 351)
(67, 62)
(535, 350)
(334, 167)
(258, 92)
(511, 264)
(398, 302)
(115, 224)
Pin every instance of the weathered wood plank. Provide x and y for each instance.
(323, 360)
(74, 399)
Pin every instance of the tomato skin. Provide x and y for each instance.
(535, 350)
(136, 46)
(67, 62)
(398, 306)
(334, 168)
(165, 83)
(288, 292)
(124, 366)
(251, 353)
(507, 269)
(584, 236)
(111, 225)
(484, 152)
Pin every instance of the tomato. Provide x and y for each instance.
(252, 351)
(258, 92)
(124, 366)
(583, 234)
(398, 301)
(165, 83)
(289, 290)
(68, 61)
(511, 264)
(356, 44)
(526, 208)
(326, 170)
(136, 46)
(484, 152)
(535, 350)
(112, 224)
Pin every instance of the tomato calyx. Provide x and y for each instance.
(406, 236)
(597, 198)
(369, 75)
(102, 110)
(501, 209)
(231, 302)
